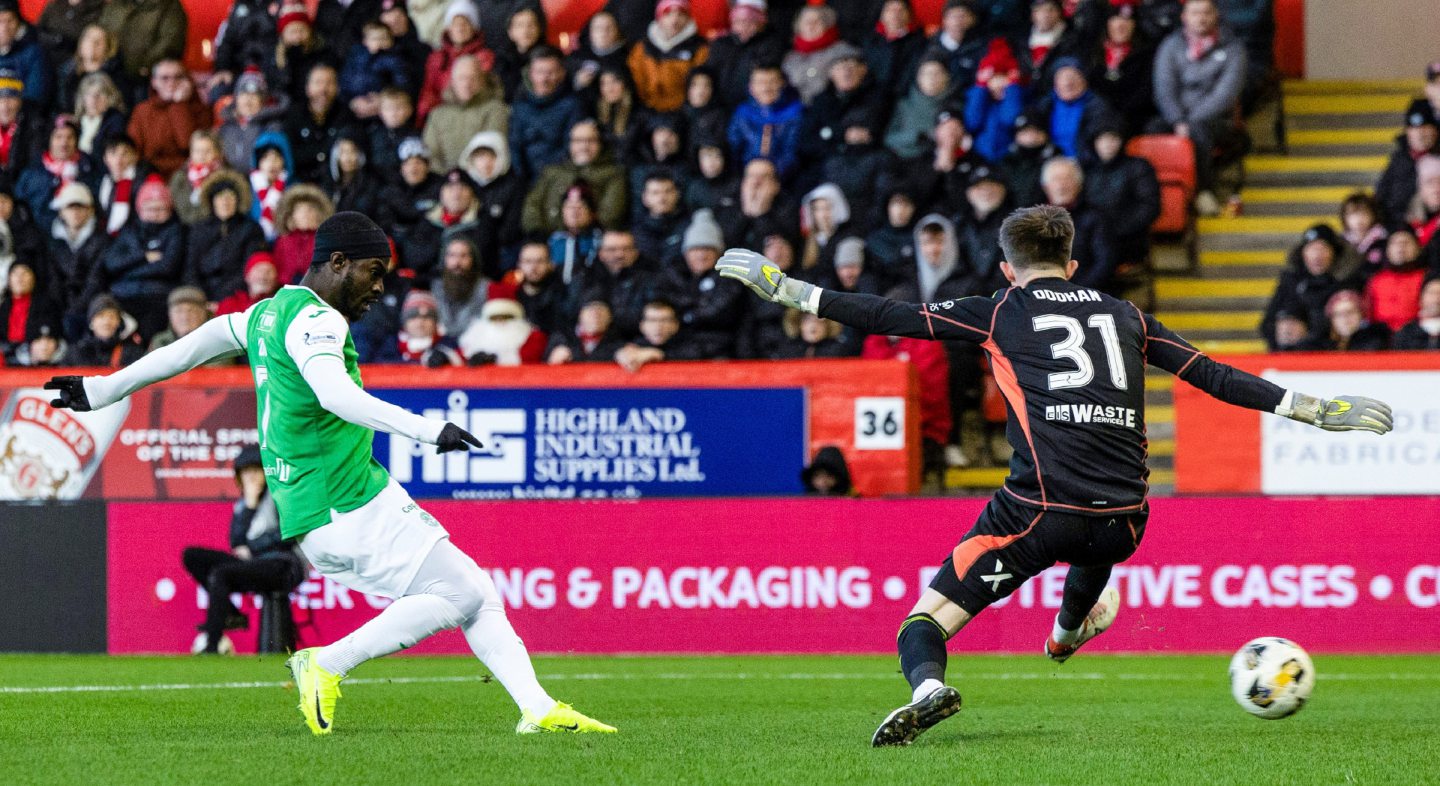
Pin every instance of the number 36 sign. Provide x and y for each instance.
(879, 423)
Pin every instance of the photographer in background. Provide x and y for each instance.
(258, 560)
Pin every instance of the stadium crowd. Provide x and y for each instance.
(550, 206)
(1375, 284)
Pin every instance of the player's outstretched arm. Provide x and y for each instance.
(218, 338)
(1167, 350)
(867, 313)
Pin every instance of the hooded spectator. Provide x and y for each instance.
(815, 47)
(95, 54)
(1397, 185)
(58, 165)
(147, 259)
(702, 116)
(589, 162)
(593, 339)
(1122, 66)
(112, 339)
(1392, 295)
(1125, 189)
(1363, 228)
(224, 238)
(911, 133)
(272, 171)
(768, 124)
(262, 280)
(314, 124)
(100, 111)
(161, 125)
(349, 183)
(827, 475)
(461, 38)
(602, 48)
(502, 336)
(709, 307)
(148, 33)
(1424, 331)
(455, 212)
(751, 41)
(203, 160)
(76, 244)
(541, 115)
(498, 192)
(524, 36)
(825, 214)
(186, 309)
(252, 112)
(894, 47)
(1199, 73)
(660, 63)
(302, 210)
(22, 52)
(1318, 267)
(994, 102)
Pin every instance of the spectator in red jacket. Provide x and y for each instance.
(462, 37)
(162, 124)
(1392, 296)
(262, 280)
(302, 209)
(933, 367)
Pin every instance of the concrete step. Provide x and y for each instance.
(1341, 149)
(1263, 225)
(1372, 164)
(1185, 322)
(1175, 289)
(1358, 178)
(1383, 136)
(1363, 103)
(1325, 195)
(1326, 87)
(1251, 241)
(1242, 259)
(1276, 209)
(1389, 120)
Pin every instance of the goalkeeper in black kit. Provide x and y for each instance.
(1070, 362)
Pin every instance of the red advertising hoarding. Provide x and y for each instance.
(814, 575)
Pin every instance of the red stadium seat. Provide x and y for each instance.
(1174, 160)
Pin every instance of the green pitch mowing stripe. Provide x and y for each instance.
(1098, 719)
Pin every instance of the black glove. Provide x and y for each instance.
(452, 437)
(71, 393)
(434, 358)
(482, 359)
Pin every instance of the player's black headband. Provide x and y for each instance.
(353, 235)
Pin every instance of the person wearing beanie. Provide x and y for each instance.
(850, 273)
(22, 51)
(297, 51)
(455, 212)
(302, 209)
(112, 339)
(350, 519)
(187, 308)
(1075, 111)
(253, 111)
(404, 203)
(76, 243)
(462, 37)
(660, 63)
(421, 340)
(1348, 327)
(709, 307)
(751, 41)
(1398, 183)
(226, 236)
(147, 259)
(58, 165)
(1320, 265)
(28, 132)
(262, 280)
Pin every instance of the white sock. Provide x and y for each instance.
(402, 624)
(925, 689)
(1062, 636)
(503, 653)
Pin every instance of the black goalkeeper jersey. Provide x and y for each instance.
(1071, 364)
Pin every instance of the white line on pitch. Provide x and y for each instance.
(681, 676)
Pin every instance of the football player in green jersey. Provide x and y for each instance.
(352, 521)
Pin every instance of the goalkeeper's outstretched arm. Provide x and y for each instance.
(221, 337)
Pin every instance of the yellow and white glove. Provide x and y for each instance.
(1342, 413)
(766, 280)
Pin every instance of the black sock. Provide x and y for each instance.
(922, 649)
(1082, 589)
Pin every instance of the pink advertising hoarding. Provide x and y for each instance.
(809, 575)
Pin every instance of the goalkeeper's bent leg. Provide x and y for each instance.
(1082, 589)
(922, 650)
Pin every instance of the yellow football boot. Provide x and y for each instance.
(561, 718)
(318, 690)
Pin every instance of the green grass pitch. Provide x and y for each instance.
(1097, 719)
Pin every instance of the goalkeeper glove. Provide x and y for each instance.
(71, 393)
(766, 280)
(1342, 413)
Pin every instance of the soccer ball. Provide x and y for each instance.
(1271, 677)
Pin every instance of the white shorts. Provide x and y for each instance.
(378, 547)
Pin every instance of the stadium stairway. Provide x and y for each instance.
(1338, 137)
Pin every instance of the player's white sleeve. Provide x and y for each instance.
(316, 342)
(218, 338)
